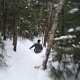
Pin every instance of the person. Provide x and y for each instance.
(38, 47)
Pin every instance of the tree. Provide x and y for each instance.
(15, 24)
(4, 12)
(51, 36)
(67, 46)
(2, 54)
(49, 12)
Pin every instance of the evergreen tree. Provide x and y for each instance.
(67, 42)
(2, 54)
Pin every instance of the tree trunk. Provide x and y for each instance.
(4, 11)
(62, 16)
(15, 26)
(51, 36)
(49, 11)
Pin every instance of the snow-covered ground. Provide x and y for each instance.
(25, 64)
(22, 64)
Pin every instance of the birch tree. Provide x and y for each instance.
(53, 29)
(49, 11)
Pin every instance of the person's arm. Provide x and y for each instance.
(32, 46)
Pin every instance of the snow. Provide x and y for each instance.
(71, 30)
(65, 37)
(73, 10)
(55, 64)
(78, 28)
(23, 64)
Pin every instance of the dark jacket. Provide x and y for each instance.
(38, 47)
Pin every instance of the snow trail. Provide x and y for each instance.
(23, 63)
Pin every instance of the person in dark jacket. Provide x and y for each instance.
(38, 47)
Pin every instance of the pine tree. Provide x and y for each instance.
(66, 42)
(2, 54)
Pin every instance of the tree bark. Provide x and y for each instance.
(4, 11)
(15, 26)
(62, 16)
(49, 11)
(51, 36)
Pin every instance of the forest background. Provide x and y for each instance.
(30, 18)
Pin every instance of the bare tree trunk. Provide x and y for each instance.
(49, 11)
(4, 11)
(62, 16)
(51, 36)
(15, 26)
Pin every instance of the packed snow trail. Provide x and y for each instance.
(23, 62)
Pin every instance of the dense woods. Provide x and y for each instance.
(57, 21)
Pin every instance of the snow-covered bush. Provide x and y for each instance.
(2, 54)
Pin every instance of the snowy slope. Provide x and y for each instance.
(22, 63)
